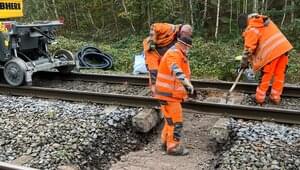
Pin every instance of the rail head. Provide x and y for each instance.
(7, 166)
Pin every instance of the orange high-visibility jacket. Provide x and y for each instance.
(165, 36)
(168, 87)
(264, 41)
(152, 57)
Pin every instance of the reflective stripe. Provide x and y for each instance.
(273, 91)
(279, 81)
(254, 30)
(275, 45)
(264, 83)
(175, 68)
(261, 48)
(260, 92)
(181, 76)
(163, 93)
(166, 85)
(178, 131)
(269, 40)
(166, 77)
(169, 86)
(169, 121)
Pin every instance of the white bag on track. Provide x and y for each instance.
(139, 66)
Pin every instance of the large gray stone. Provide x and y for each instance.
(145, 120)
(219, 132)
(22, 160)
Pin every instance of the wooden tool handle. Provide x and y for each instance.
(236, 80)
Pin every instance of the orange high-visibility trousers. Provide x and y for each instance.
(171, 133)
(275, 69)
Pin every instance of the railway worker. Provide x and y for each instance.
(172, 87)
(266, 48)
(162, 37)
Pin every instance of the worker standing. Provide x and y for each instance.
(172, 87)
(266, 48)
(162, 37)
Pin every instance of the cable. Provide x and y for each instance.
(91, 57)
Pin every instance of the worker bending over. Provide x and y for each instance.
(267, 49)
(171, 88)
(162, 37)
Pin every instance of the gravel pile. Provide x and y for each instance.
(54, 133)
(286, 103)
(257, 145)
(92, 86)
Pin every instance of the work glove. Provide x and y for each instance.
(245, 59)
(244, 63)
(188, 86)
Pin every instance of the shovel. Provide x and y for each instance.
(234, 84)
(194, 95)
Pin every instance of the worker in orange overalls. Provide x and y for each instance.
(162, 37)
(171, 88)
(267, 50)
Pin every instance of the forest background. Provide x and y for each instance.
(119, 26)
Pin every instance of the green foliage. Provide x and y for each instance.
(293, 71)
(208, 59)
(214, 59)
(118, 27)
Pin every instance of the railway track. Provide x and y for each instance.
(6, 166)
(237, 111)
(289, 91)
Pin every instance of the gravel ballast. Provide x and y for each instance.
(93, 86)
(261, 145)
(55, 133)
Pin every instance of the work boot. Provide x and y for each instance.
(274, 101)
(179, 150)
(260, 102)
(163, 147)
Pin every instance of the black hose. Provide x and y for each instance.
(91, 57)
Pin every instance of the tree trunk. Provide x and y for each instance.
(115, 17)
(262, 6)
(230, 19)
(254, 6)
(266, 6)
(55, 9)
(149, 13)
(217, 21)
(191, 9)
(76, 15)
(245, 5)
(92, 20)
(284, 14)
(292, 11)
(238, 9)
(204, 13)
(126, 12)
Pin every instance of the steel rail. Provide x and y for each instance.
(289, 91)
(7, 166)
(237, 111)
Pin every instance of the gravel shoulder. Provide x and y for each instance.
(196, 139)
(46, 134)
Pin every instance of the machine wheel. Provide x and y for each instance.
(14, 72)
(64, 55)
